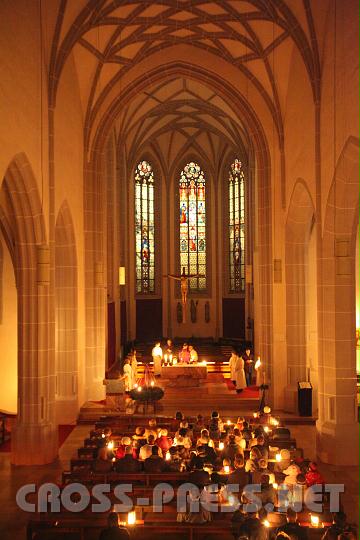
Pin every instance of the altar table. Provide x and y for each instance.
(184, 375)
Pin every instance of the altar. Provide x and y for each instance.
(184, 375)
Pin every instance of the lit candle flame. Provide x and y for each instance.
(226, 469)
(266, 523)
(152, 383)
(314, 520)
(258, 363)
(221, 446)
(278, 457)
(139, 389)
(168, 456)
(131, 518)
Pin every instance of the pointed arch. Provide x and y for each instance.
(34, 440)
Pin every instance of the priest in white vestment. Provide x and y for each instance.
(128, 375)
(240, 378)
(232, 363)
(157, 355)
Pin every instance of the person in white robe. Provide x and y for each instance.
(232, 363)
(239, 374)
(157, 355)
(134, 367)
(128, 375)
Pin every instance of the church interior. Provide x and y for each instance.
(179, 262)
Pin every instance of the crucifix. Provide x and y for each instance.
(184, 286)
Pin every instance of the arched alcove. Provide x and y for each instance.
(297, 237)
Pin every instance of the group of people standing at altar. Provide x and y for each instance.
(186, 355)
(241, 369)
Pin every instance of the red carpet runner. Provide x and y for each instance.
(248, 393)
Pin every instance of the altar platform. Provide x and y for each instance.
(184, 375)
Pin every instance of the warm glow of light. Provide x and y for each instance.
(278, 457)
(152, 383)
(266, 523)
(175, 361)
(267, 409)
(103, 435)
(226, 469)
(231, 500)
(110, 445)
(228, 423)
(139, 389)
(136, 385)
(314, 520)
(258, 363)
(266, 429)
(204, 362)
(168, 456)
(275, 485)
(131, 518)
(255, 415)
(122, 275)
(221, 446)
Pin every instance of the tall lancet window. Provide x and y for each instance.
(237, 227)
(144, 228)
(193, 225)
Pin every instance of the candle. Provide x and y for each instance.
(152, 383)
(139, 389)
(110, 445)
(131, 518)
(278, 457)
(275, 485)
(136, 385)
(226, 469)
(314, 520)
(221, 446)
(255, 415)
(266, 523)
(175, 361)
(228, 422)
(258, 363)
(266, 429)
(167, 456)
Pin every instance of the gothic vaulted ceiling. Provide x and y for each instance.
(110, 38)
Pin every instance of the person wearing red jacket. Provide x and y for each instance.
(313, 476)
(164, 442)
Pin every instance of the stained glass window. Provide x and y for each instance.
(193, 225)
(237, 227)
(144, 228)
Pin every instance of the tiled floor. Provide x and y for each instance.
(13, 520)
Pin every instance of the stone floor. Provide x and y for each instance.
(13, 520)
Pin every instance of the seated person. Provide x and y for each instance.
(231, 449)
(205, 439)
(182, 435)
(240, 441)
(194, 358)
(207, 452)
(146, 450)
(175, 463)
(280, 466)
(252, 464)
(113, 530)
(262, 470)
(199, 424)
(239, 476)
(246, 432)
(198, 476)
(120, 451)
(152, 429)
(292, 528)
(128, 463)
(215, 426)
(262, 446)
(139, 434)
(252, 528)
(313, 476)
(154, 463)
(164, 442)
(268, 494)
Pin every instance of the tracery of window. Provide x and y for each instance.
(144, 228)
(193, 225)
(237, 227)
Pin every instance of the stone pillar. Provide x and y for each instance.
(338, 429)
(34, 439)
